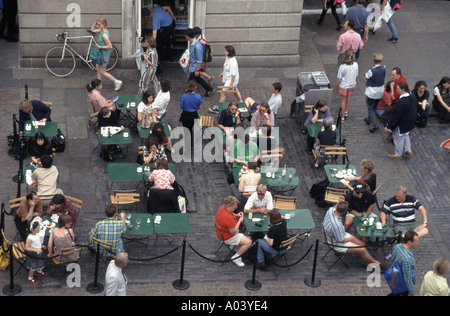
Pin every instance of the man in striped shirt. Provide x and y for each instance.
(402, 207)
(335, 233)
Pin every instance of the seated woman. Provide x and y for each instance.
(421, 95)
(325, 137)
(263, 116)
(247, 182)
(162, 177)
(162, 99)
(40, 146)
(62, 205)
(229, 118)
(153, 151)
(107, 118)
(145, 113)
(368, 179)
(97, 100)
(441, 101)
(319, 112)
(62, 237)
(158, 131)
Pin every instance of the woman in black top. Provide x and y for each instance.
(275, 236)
(40, 146)
(229, 118)
(421, 95)
(106, 117)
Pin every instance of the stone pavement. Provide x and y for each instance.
(82, 174)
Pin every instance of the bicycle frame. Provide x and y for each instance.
(66, 45)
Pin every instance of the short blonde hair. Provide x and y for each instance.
(377, 58)
(231, 201)
(25, 105)
(441, 266)
(367, 164)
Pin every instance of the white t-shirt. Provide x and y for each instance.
(162, 101)
(35, 241)
(254, 201)
(275, 103)
(142, 106)
(348, 74)
(230, 68)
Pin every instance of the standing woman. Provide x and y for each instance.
(441, 101)
(346, 81)
(190, 103)
(402, 121)
(148, 79)
(104, 44)
(230, 73)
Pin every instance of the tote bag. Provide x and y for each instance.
(395, 280)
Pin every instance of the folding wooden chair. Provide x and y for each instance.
(17, 251)
(286, 247)
(76, 203)
(332, 153)
(206, 121)
(226, 89)
(374, 192)
(284, 202)
(106, 252)
(125, 197)
(66, 252)
(331, 242)
(230, 248)
(333, 194)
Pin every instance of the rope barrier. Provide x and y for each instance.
(376, 244)
(293, 264)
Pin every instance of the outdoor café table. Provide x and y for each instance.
(299, 219)
(127, 104)
(124, 172)
(138, 224)
(257, 224)
(50, 129)
(334, 177)
(47, 222)
(171, 223)
(255, 136)
(115, 139)
(372, 231)
(241, 106)
(144, 132)
(314, 130)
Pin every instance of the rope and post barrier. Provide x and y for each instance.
(182, 284)
(313, 282)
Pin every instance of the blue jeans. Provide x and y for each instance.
(379, 112)
(391, 26)
(265, 248)
(371, 107)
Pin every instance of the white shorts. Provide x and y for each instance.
(345, 244)
(235, 240)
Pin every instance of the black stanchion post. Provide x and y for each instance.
(95, 288)
(182, 284)
(253, 284)
(11, 288)
(313, 282)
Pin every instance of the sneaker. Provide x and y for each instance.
(393, 39)
(345, 114)
(117, 85)
(41, 274)
(408, 153)
(214, 109)
(393, 156)
(32, 281)
(316, 165)
(209, 93)
(237, 260)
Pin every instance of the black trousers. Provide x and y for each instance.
(330, 4)
(164, 45)
(200, 81)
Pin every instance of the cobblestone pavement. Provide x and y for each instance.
(82, 174)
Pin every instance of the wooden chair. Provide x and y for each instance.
(333, 194)
(284, 202)
(331, 242)
(76, 203)
(14, 203)
(93, 119)
(66, 252)
(286, 247)
(230, 248)
(17, 251)
(226, 89)
(107, 248)
(274, 155)
(125, 197)
(49, 104)
(206, 121)
(333, 152)
(308, 108)
(374, 192)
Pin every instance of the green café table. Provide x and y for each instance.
(52, 220)
(257, 224)
(371, 231)
(50, 129)
(126, 104)
(138, 224)
(241, 106)
(315, 128)
(128, 172)
(116, 139)
(299, 219)
(144, 132)
(331, 175)
(171, 223)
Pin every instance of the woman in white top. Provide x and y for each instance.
(346, 81)
(146, 115)
(162, 99)
(230, 73)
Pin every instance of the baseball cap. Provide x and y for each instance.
(358, 188)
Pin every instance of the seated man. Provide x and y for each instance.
(275, 100)
(28, 208)
(33, 111)
(259, 202)
(45, 177)
(336, 234)
(243, 153)
(402, 207)
(327, 137)
(62, 205)
(360, 200)
(110, 230)
(229, 223)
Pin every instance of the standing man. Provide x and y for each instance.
(349, 40)
(227, 227)
(115, 280)
(195, 63)
(163, 28)
(402, 207)
(359, 14)
(374, 89)
(404, 256)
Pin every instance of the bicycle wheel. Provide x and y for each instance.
(113, 58)
(59, 65)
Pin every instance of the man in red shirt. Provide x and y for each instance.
(396, 75)
(227, 225)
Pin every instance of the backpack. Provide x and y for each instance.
(207, 51)
(317, 192)
(59, 142)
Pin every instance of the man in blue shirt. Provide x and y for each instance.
(163, 28)
(196, 61)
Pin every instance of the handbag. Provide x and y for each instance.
(184, 60)
(59, 142)
(395, 280)
(96, 56)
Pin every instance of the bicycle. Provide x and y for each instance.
(60, 60)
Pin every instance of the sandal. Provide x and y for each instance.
(41, 274)
(33, 281)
